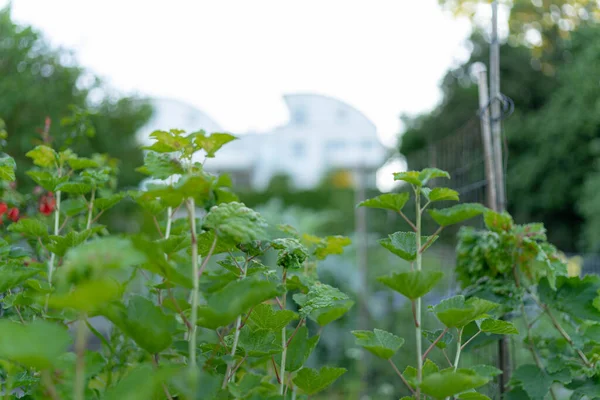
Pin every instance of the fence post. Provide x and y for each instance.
(480, 72)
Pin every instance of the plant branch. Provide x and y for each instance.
(434, 343)
(157, 226)
(164, 386)
(414, 228)
(417, 303)
(67, 219)
(447, 358)
(431, 239)
(97, 217)
(80, 341)
(401, 376)
(469, 341)
(56, 232)
(208, 256)
(560, 329)
(458, 349)
(295, 331)
(196, 279)
(238, 327)
(179, 311)
(90, 209)
(283, 340)
(50, 388)
(275, 368)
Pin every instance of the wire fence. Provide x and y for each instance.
(461, 154)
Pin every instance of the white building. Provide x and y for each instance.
(322, 135)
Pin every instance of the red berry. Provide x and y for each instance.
(13, 214)
(3, 208)
(47, 204)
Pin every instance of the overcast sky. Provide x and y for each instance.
(234, 59)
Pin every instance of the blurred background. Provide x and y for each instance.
(328, 98)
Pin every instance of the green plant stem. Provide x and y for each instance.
(8, 385)
(294, 393)
(90, 209)
(458, 348)
(431, 239)
(560, 329)
(417, 312)
(283, 340)
(56, 232)
(532, 347)
(80, 341)
(236, 336)
(169, 222)
(164, 386)
(470, 339)
(434, 343)
(50, 388)
(196, 279)
(401, 376)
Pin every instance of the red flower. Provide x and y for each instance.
(3, 208)
(13, 214)
(47, 204)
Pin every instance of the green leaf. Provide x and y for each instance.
(331, 245)
(145, 323)
(73, 206)
(236, 298)
(486, 370)
(443, 342)
(449, 382)
(158, 264)
(259, 343)
(455, 214)
(430, 173)
(160, 166)
(39, 344)
(104, 203)
(168, 142)
(141, 383)
(77, 163)
(404, 244)
(197, 186)
(498, 222)
(412, 284)
(30, 227)
(212, 143)
(443, 194)
(410, 373)
(455, 312)
(381, 343)
(388, 201)
(312, 381)
(43, 156)
(236, 221)
(46, 180)
(13, 275)
(498, 327)
(59, 245)
(246, 385)
(411, 177)
(7, 169)
(100, 257)
(473, 396)
(336, 311)
(205, 241)
(574, 296)
(299, 349)
(74, 187)
(290, 252)
(86, 296)
(264, 316)
(319, 297)
(534, 381)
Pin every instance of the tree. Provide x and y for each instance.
(551, 136)
(37, 81)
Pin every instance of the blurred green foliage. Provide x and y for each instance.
(38, 81)
(553, 137)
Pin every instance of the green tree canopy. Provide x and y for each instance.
(37, 81)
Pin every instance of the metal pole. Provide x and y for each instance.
(480, 71)
(503, 343)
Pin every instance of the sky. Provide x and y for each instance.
(235, 59)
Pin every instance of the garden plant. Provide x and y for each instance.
(210, 320)
(502, 268)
